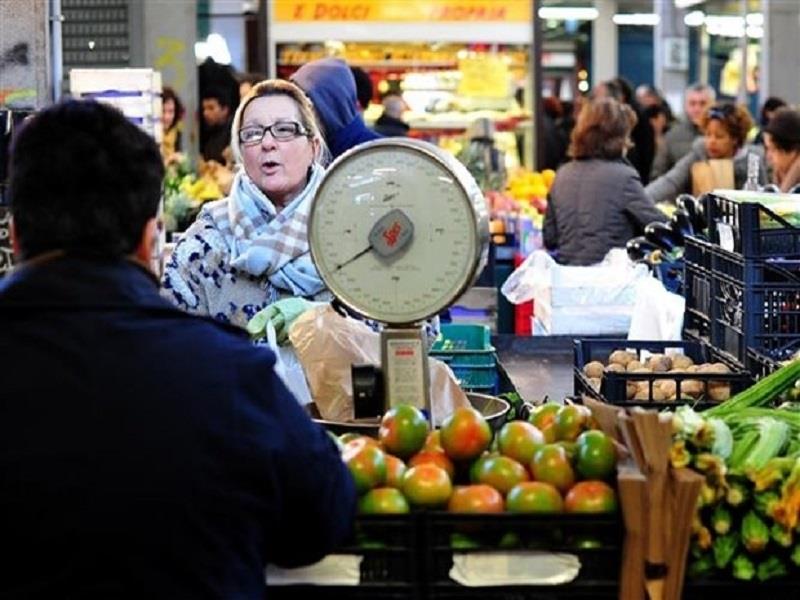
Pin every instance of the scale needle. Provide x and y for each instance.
(388, 197)
(359, 255)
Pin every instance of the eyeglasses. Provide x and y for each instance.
(721, 111)
(282, 131)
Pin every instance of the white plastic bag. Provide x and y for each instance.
(289, 368)
(657, 313)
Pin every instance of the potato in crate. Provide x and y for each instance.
(653, 373)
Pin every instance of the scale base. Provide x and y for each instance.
(404, 362)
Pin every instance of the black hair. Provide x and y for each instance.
(784, 127)
(654, 110)
(625, 90)
(218, 94)
(363, 86)
(83, 179)
(167, 93)
(771, 104)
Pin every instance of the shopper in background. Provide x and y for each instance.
(647, 96)
(172, 112)
(332, 89)
(247, 81)
(391, 123)
(643, 150)
(217, 115)
(597, 201)
(658, 117)
(782, 143)
(147, 452)
(249, 250)
(768, 109)
(364, 89)
(555, 139)
(717, 160)
(678, 141)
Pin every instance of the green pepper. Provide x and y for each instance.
(743, 568)
(755, 534)
(724, 548)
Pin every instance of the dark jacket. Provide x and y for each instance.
(594, 206)
(677, 144)
(390, 126)
(644, 146)
(148, 453)
(332, 89)
(217, 139)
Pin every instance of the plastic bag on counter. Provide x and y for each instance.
(657, 313)
(289, 368)
(569, 300)
(327, 344)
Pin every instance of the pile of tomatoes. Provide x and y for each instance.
(554, 462)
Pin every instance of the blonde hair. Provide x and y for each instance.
(281, 87)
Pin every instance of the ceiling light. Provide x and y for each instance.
(687, 3)
(648, 19)
(755, 32)
(725, 25)
(568, 13)
(755, 19)
(694, 19)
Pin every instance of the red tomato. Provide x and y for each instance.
(395, 469)
(367, 464)
(465, 434)
(519, 440)
(475, 499)
(437, 458)
(502, 473)
(551, 465)
(591, 497)
(383, 501)
(534, 497)
(427, 485)
(595, 456)
(403, 430)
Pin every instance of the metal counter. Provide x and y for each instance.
(538, 366)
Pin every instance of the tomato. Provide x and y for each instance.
(551, 465)
(502, 473)
(434, 441)
(534, 497)
(465, 434)
(427, 485)
(383, 501)
(395, 469)
(544, 414)
(591, 497)
(403, 430)
(438, 458)
(367, 464)
(519, 440)
(476, 466)
(570, 421)
(595, 456)
(475, 499)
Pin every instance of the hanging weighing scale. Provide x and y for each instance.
(398, 230)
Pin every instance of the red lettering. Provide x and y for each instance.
(333, 12)
(298, 12)
(392, 233)
(404, 352)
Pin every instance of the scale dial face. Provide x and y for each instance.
(398, 230)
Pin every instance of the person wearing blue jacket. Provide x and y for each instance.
(144, 452)
(330, 85)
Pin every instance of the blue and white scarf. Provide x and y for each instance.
(266, 242)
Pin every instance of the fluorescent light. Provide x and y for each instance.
(687, 3)
(725, 25)
(755, 19)
(650, 19)
(694, 19)
(568, 13)
(755, 32)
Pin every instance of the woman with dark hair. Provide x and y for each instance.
(717, 160)
(172, 122)
(782, 143)
(768, 109)
(597, 201)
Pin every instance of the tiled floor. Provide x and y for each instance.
(537, 366)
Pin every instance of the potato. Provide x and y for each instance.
(595, 382)
(630, 389)
(621, 357)
(659, 363)
(594, 369)
(668, 387)
(658, 394)
(693, 369)
(633, 365)
(692, 387)
(680, 361)
(641, 370)
(719, 392)
(642, 394)
(615, 368)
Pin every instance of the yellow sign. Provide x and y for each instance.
(402, 10)
(484, 76)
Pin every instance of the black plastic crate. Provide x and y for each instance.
(613, 388)
(733, 589)
(756, 304)
(595, 539)
(760, 365)
(390, 567)
(755, 231)
(697, 252)
(697, 292)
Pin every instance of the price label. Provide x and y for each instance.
(725, 236)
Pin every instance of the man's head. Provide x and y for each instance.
(330, 85)
(647, 96)
(85, 180)
(697, 99)
(216, 107)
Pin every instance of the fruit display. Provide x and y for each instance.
(566, 466)
(521, 207)
(746, 523)
(677, 382)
